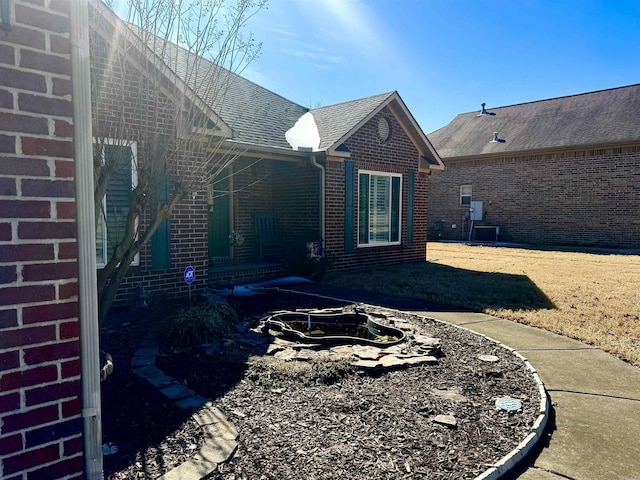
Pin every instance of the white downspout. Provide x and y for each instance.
(315, 163)
(88, 293)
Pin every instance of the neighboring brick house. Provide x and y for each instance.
(40, 368)
(563, 171)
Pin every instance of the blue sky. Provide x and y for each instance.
(445, 57)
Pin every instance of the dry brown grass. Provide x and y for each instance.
(588, 296)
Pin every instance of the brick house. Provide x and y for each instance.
(563, 171)
(281, 196)
(360, 188)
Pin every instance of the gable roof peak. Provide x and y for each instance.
(338, 121)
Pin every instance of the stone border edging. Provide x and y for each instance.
(220, 435)
(220, 442)
(515, 456)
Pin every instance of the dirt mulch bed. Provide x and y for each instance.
(360, 427)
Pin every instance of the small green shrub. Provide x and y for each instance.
(193, 325)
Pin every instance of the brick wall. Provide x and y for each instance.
(125, 93)
(586, 197)
(288, 189)
(40, 404)
(397, 155)
(297, 201)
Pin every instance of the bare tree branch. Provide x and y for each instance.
(156, 98)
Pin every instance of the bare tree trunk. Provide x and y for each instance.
(133, 111)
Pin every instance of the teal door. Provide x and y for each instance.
(219, 217)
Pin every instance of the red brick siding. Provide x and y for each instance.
(298, 201)
(38, 326)
(585, 197)
(121, 80)
(291, 191)
(397, 155)
(189, 247)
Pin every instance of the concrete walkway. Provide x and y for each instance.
(596, 397)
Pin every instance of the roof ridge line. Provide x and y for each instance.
(389, 93)
(558, 98)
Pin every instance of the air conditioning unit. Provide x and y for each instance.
(486, 233)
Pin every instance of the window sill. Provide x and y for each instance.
(372, 245)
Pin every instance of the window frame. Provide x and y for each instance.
(390, 176)
(466, 195)
(133, 145)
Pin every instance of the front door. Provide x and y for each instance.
(220, 216)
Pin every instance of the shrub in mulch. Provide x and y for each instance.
(192, 325)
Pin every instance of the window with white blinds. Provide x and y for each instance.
(379, 208)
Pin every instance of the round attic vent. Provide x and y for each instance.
(384, 130)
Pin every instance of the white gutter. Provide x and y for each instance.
(88, 294)
(315, 163)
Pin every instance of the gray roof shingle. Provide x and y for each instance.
(256, 115)
(597, 118)
(259, 116)
(335, 121)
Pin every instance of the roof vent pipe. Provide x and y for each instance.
(483, 111)
(496, 139)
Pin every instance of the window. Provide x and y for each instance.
(465, 195)
(111, 219)
(378, 209)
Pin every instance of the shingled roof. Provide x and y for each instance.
(336, 121)
(605, 117)
(260, 117)
(257, 116)
(247, 113)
